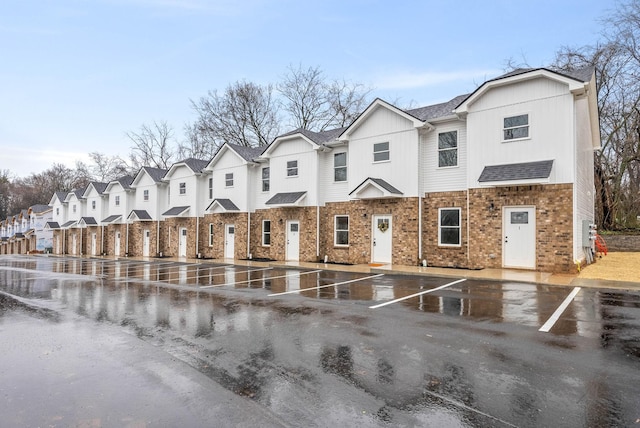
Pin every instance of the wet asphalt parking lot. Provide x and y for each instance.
(101, 343)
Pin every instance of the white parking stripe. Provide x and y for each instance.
(325, 286)
(556, 315)
(417, 294)
(260, 279)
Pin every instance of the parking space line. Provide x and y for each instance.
(417, 294)
(259, 279)
(556, 315)
(325, 286)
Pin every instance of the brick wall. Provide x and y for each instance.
(239, 220)
(279, 216)
(170, 236)
(404, 213)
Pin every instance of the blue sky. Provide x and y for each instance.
(76, 75)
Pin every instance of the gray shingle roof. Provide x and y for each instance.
(581, 74)
(52, 225)
(247, 153)
(196, 165)
(68, 224)
(175, 211)
(317, 137)
(61, 196)
(112, 218)
(89, 221)
(516, 171)
(125, 181)
(437, 110)
(39, 208)
(141, 215)
(155, 173)
(99, 186)
(227, 204)
(285, 198)
(380, 182)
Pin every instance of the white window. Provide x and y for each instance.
(340, 167)
(381, 152)
(448, 149)
(145, 194)
(292, 168)
(516, 127)
(341, 230)
(211, 234)
(265, 179)
(228, 179)
(182, 188)
(210, 188)
(93, 205)
(74, 208)
(266, 233)
(57, 211)
(449, 227)
(117, 200)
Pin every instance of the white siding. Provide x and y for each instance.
(332, 191)
(401, 171)
(73, 201)
(584, 190)
(299, 150)
(434, 178)
(183, 174)
(126, 202)
(99, 212)
(549, 106)
(230, 163)
(156, 200)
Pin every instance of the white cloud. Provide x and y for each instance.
(408, 79)
(23, 161)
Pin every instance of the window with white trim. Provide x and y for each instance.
(381, 152)
(228, 179)
(117, 200)
(449, 230)
(93, 205)
(516, 127)
(266, 233)
(211, 234)
(145, 195)
(292, 168)
(340, 167)
(182, 187)
(74, 208)
(210, 188)
(448, 149)
(341, 230)
(265, 178)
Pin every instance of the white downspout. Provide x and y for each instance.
(248, 233)
(102, 240)
(197, 236)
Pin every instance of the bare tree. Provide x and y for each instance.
(153, 145)
(245, 114)
(316, 104)
(107, 168)
(617, 65)
(199, 143)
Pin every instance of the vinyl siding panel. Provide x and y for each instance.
(229, 163)
(584, 190)
(333, 191)
(434, 178)
(549, 106)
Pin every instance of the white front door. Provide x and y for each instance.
(146, 241)
(116, 251)
(382, 239)
(94, 244)
(73, 244)
(229, 241)
(293, 240)
(182, 243)
(519, 237)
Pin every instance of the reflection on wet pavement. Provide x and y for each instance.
(469, 355)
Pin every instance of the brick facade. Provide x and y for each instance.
(279, 216)
(483, 247)
(218, 222)
(404, 213)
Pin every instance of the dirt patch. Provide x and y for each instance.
(615, 267)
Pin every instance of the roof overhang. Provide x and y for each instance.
(112, 219)
(87, 221)
(51, 225)
(516, 174)
(177, 212)
(292, 199)
(218, 206)
(69, 224)
(375, 188)
(279, 140)
(139, 215)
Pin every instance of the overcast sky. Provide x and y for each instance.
(76, 75)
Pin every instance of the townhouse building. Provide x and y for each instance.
(40, 240)
(500, 177)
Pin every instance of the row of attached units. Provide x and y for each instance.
(501, 177)
(25, 233)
